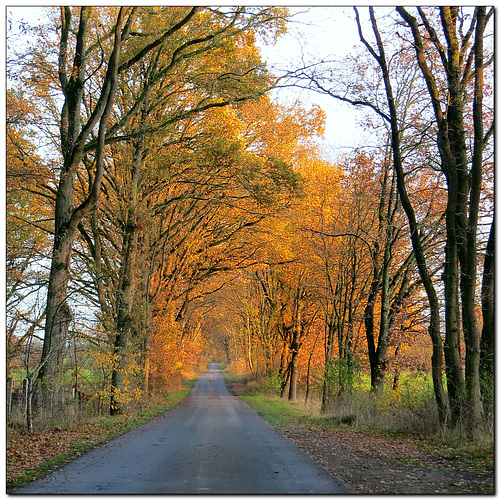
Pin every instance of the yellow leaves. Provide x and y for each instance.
(223, 123)
(168, 354)
(276, 26)
(27, 214)
(414, 392)
(289, 134)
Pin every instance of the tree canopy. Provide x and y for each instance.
(165, 208)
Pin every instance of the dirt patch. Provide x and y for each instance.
(385, 465)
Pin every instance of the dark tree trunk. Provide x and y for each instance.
(464, 190)
(9, 384)
(454, 373)
(57, 322)
(468, 259)
(326, 395)
(369, 320)
(487, 364)
(292, 394)
(124, 322)
(67, 218)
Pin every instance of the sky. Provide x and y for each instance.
(319, 33)
(315, 33)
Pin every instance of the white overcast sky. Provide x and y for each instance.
(316, 32)
(319, 33)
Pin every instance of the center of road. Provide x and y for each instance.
(211, 443)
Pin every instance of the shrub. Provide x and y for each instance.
(410, 407)
(272, 385)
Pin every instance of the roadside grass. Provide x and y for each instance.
(477, 455)
(33, 456)
(473, 455)
(280, 413)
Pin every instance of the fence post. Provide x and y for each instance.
(10, 383)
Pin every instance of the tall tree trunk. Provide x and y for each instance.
(383, 339)
(147, 367)
(369, 321)
(309, 359)
(127, 275)
(464, 190)
(469, 260)
(67, 218)
(58, 319)
(454, 373)
(124, 322)
(248, 347)
(326, 395)
(284, 372)
(58, 313)
(454, 165)
(386, 221)
(292, 393)
(487, 363)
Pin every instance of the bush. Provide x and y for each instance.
(409, 408)
(272, 385)
(342, 375)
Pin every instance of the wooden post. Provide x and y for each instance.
(10, 383)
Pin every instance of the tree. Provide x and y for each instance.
(191, 211)
(434, 328)
(464, 183)
(105, 53)
(27, 239)
(74, 137)
(337, 221)
(298, 310)
(451, 64)
(391, 268)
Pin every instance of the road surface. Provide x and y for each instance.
(211, 443)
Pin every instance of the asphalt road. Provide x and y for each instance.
(211, 443)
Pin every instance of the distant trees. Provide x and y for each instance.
(444, 55)
(304, 312)
(199, 58)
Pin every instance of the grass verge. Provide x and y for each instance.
(280, 413)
